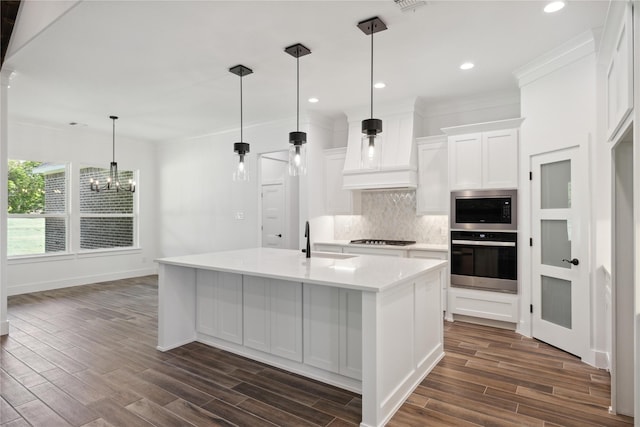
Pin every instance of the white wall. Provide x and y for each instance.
(81, 147)
(560, 112)
(198, 201)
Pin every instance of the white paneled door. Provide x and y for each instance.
(273, 209)
(560, 285)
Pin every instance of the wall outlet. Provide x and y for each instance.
(240, 215)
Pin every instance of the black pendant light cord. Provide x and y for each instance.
(372, 74)
(298, 93)
(241, 136)
(113, 142)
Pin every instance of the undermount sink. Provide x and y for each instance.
(331, 255)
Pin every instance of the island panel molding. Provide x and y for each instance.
(355, 306)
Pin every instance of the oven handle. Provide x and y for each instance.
(482, 243)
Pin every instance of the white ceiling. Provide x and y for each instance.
(162, 66)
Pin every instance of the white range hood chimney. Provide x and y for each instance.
(398, 169)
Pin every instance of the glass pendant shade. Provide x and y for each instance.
(371, 147)
(241, 172)
(297, 154)
(371, 144)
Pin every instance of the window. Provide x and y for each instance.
(37, 208)
(108, 219)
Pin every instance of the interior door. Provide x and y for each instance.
(273, 208)
(560, 285)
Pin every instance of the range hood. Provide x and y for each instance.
(401, 123)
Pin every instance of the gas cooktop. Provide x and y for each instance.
(383, 242)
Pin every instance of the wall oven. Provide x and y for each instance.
(484, 210)
(484, 260)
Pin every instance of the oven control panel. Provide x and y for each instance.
(490, 236)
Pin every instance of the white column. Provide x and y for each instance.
(176, 306)
(371, 375)
(636, 199)
(4, 142)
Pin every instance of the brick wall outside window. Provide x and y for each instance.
(55, 199)
(99, 232)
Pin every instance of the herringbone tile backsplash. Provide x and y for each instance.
(391, 215)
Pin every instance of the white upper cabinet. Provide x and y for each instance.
(338, 201)
(483, 155)
(465, 161)
(500, 159)
(432, 194)
(616, 53)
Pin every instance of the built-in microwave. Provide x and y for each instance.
(484, 210)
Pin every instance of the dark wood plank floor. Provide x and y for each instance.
(85, 356)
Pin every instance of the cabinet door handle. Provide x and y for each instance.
(279, 235)
(572, 261)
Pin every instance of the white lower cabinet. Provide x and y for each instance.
(273, 316)
(286, 319)
(350, 341)
(374, 251)
(483, 304)
(334, 316)
(219, 305)
(444, 278)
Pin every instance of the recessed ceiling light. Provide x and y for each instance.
(467, 66)
(313, 100)
(554, 6)
(380, 85)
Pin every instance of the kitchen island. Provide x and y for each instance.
(368, 324)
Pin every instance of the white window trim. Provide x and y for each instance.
(67, 217)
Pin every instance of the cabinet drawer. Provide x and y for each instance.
(375, 251)
(486, 305)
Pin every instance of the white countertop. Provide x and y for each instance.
(359, 272)
(413, 247)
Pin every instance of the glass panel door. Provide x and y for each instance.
(559, 281)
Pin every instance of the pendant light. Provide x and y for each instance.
(371, 146)
(297, 139)
(113, 183)
(241, 148)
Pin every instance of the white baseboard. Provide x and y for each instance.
(602, 360)
(77, 281)
(4, 327)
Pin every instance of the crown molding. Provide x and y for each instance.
(484, 127)
(563, 55)
(472, 103)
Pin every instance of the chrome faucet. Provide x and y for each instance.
(307, 234)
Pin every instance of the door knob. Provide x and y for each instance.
(573, 261)
(278, 235)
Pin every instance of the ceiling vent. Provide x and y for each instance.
(409, 5)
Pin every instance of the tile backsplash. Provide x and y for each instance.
(391, 215)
